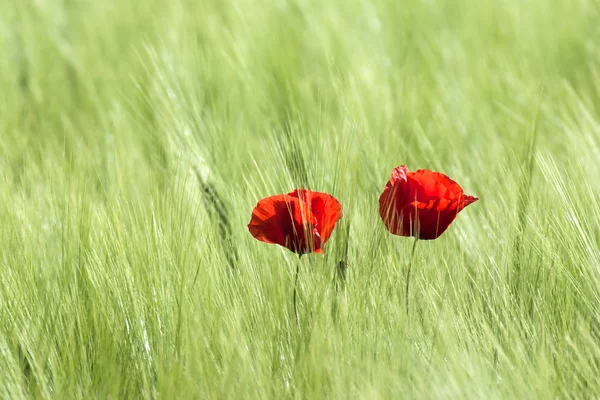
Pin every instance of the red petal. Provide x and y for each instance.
(286, 221)
(326, 209)
(399, 174)
(422, 203)
(434, 185)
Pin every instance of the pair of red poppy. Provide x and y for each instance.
(422, 204)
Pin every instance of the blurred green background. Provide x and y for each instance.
(136, 137)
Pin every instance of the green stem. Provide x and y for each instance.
(412, 256)
(296, 293)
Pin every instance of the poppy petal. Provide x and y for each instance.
(286, 221)
(421, 203)
(434, 185)
(326, 209)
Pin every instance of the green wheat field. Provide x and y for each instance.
(136, 138)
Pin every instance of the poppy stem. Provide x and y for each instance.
(296, 293)
(412, 256)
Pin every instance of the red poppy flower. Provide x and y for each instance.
(301, 221)
(421, 204)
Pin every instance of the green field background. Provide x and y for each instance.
(137, 136)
